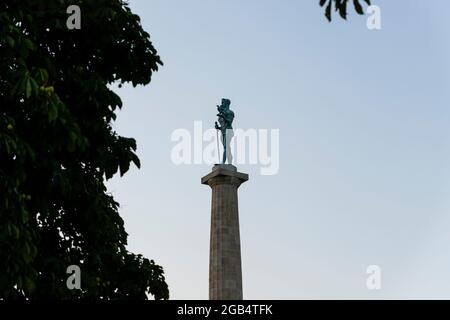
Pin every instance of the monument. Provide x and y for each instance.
(225, 269)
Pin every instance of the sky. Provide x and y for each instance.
(364, 146)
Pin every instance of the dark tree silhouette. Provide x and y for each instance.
(57, 148)
(341, 7)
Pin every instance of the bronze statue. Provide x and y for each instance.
(225, 118)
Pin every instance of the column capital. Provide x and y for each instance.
(224, 174)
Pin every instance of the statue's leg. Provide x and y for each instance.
(229, 155)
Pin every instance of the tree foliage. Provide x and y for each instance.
(341, 7)
(57, 148)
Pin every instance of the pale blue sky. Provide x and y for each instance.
(364, 146)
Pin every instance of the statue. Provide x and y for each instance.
(225, 118)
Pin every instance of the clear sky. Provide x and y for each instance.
(364, 175)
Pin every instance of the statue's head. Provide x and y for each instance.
(226, 103)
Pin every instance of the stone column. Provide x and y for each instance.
(225, 272)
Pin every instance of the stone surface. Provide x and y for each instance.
(224, 166)
(225, 271)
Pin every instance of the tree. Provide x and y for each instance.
(57, 148)
(341, 7)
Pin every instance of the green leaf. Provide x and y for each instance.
(53, 114)
(29, 285)
(124, 167)
(41, 76)
(328, 11)
(15, 231)
(28, 88)
(358, 7)
(343, 10)
(24, 215)
(136, 160)
(21, 85)
(10, 41)
(28, 44)
(34, 86)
